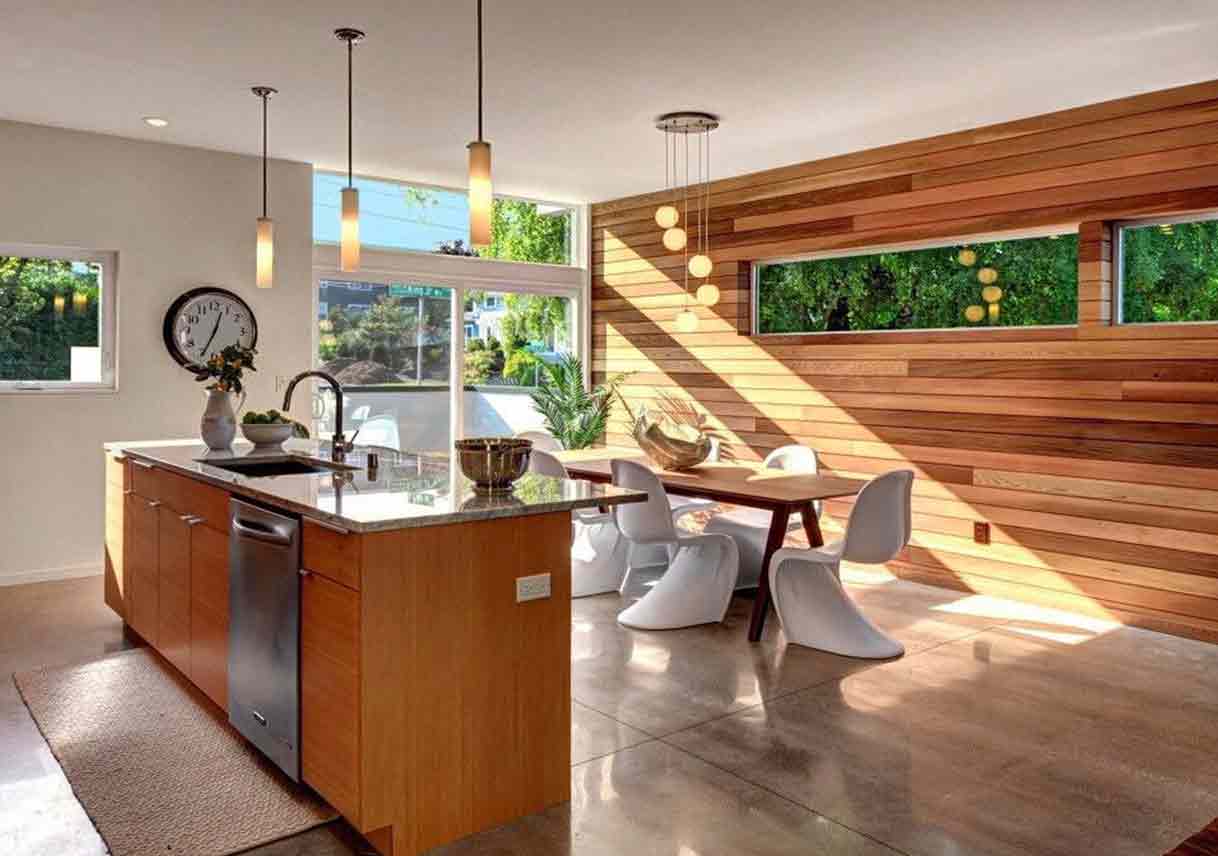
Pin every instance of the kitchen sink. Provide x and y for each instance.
(285, 466)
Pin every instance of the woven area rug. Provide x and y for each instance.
(156, 766)
(1204, 843)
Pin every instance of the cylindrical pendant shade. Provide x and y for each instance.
(265, 253)
(993, 309)
(348, 256)
(481, 200)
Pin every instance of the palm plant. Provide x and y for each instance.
(575, 415)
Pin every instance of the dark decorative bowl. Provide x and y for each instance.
(493, 463)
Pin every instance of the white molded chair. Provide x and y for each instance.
(697, 587)
(542, 440)
(750, 527)
(814, 608)
(680, 505)
(598, 551)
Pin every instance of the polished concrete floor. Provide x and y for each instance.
(1004, 730)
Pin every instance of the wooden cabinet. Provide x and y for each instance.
(330, 692)
(167, 567)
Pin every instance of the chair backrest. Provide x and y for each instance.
(880, 522)
(794, 458)
(543, 440)
(647, 522)
(545, 464)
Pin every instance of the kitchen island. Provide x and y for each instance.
(434, 683)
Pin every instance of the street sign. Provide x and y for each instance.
(407, 289)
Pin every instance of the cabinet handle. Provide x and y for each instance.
(191, 519)
(332, 527)
(305, 572)
(143, 464)
(129, 491)
(154, 503)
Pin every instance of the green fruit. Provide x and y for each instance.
(249, 417)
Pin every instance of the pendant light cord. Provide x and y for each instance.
(480, 71)
(265, 95)
(350, 110)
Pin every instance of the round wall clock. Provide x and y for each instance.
(204, 321)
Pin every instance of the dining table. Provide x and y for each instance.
(782, 493)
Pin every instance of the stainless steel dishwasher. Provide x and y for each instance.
(264, 631)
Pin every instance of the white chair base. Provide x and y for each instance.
(817, 612)
(599, 556)
(696, 588)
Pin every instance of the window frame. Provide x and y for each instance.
(575, 226)
(755, 266)
(1118, 265)
(108, 320)
(459, 273)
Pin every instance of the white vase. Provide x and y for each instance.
(219, 424)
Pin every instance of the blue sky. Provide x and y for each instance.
(388, 217)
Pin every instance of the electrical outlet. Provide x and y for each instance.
(981, 533)
(536, 587)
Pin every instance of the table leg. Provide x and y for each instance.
(812, 527)
(761, 604)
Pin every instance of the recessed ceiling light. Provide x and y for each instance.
(155, 121)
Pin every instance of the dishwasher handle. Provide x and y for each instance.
(259, 532)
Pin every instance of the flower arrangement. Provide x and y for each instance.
(226, 368)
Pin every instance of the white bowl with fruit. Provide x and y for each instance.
(268, 429)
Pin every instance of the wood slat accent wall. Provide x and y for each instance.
(1090, 451)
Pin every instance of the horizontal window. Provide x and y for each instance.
(1014, 282)
(400, 216)
(1167, 270)
(56, 319)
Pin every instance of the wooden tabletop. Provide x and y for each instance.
(737, 483)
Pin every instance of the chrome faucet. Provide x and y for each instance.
(340, 445)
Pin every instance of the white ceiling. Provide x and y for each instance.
(573, 85)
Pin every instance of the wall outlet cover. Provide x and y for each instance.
(536, 587)
(981, 533)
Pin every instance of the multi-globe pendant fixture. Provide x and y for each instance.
(348, 252)
(481, 196)
(990, 293)
(264, 254)
(674, 217)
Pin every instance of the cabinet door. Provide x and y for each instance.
(173, 587)
(329, 692)
(142, 561)
(209, 612)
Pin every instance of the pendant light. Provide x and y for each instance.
(481, 199)
(264, 254)
(348, 255)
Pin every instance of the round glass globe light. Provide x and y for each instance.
(708, 294)
(667, 216)
(968, 258)
(700, 266)
(991, 294)
(974, 314)
(674, 238)
(987, 275)
(687, 321)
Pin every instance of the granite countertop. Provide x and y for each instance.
(409, 489)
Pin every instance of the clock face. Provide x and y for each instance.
(205, 321)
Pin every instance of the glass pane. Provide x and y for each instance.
(50, 320)
(1009, 283)
(400, 216)
(389, 346)
(1170, 272)
(509, 338)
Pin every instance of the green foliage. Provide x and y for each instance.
(36, 332)
(574, 415)
(1171, 273)
(535, 318)
(484, 361)
(520, 233)
(523, 367)
(227, 367)
(922, 289)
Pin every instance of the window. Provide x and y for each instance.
(399, 216)
(509, 346)
(56, 319)
(1167, 270)
(1013, 282)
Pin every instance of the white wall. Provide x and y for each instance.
(178, 218)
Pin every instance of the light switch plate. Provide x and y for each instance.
(536, 587)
